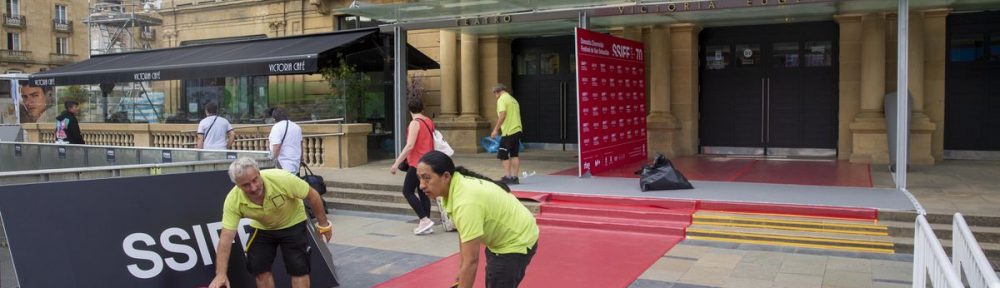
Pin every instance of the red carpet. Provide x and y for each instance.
(818, 172)
(584, 242)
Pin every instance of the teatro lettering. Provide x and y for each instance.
(287, 67)
(472, 21)
(146, 76)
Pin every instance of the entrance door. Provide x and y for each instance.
(769, 90)
(544, 83)
(972, 81)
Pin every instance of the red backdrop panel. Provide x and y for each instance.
(611, 96)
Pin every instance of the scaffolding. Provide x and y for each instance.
(122, 25)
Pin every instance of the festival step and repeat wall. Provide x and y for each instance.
(611, 85)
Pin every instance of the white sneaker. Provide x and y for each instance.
(426, 226)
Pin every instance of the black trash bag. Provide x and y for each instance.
(662, 175)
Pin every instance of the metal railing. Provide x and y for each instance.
(18, 157)
(14, 20)
(929, 259)
(62, 25)
(968, 257)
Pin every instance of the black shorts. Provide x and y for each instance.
(507, 270)
(294, 244)
(509, 146)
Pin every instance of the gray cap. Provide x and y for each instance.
(499, 87)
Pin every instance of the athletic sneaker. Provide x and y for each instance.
(426, 226)
(513, 180)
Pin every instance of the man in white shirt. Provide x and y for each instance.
(215, 132)
(285, 141)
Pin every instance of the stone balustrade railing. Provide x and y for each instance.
(323, 145)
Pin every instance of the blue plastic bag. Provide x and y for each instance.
(492, 144)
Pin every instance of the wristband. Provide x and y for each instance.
(324, 229)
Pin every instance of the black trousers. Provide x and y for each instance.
(419, 201)
(507, 270)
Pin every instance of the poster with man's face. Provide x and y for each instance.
(36, 104)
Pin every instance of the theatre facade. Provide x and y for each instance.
(735, 77)
(757, 77)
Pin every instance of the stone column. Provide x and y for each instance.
(661, 123)
(869, 143)
(935, 44)
(921, 126)
(449, 75)
(463, 132)
(684, 85)
(850, 79)
(470, 81)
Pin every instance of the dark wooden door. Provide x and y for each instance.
(544, 83)
(972, 82)
(769, 87)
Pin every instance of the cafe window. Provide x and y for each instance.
(747, 54)
(716, 57)
(785, 55)
(819, 54)
(967, 48)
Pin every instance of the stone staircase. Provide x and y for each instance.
(380, 198)
(792, 231)
(986, 229)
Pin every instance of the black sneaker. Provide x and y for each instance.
(505, 180)
(513, 180)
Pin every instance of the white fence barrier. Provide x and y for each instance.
(968, 258)
(929, 259)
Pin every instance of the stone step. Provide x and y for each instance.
(376, 206)
(943, 231)
(364, 186)
(788, 222)
(400, 207)
(780, 237)
(937, 218)
(992, 250)
(370, 195)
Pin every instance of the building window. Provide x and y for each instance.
(347, 22)
(13, 41)
(62, 45)
(60, 16)
(13, 7)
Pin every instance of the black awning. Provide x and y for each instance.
(301, 54)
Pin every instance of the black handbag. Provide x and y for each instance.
(315, 181)
(403, 166)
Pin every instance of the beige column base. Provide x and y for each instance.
(661, 129)
(462, 134)
(871, 144)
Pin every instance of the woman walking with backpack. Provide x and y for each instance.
(419, 141)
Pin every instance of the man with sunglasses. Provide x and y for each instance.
(272, 199)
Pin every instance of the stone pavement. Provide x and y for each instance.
(371, 248)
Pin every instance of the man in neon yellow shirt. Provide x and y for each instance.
(272, 199)
(509, 128)
(485, 213)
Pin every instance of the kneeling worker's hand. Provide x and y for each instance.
(325, 231)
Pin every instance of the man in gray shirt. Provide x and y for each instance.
(215, 132)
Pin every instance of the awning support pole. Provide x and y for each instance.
(902, 92)
(584, 21)
(399, 85)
